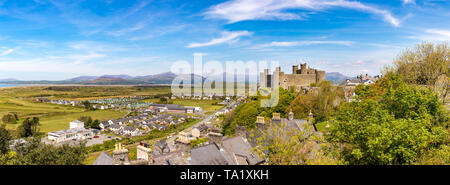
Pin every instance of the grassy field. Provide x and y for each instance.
(206, 105)
(80, 92)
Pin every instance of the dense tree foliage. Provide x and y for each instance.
(10, 118)
(34, 152)
(426, 64)
(283, 146)
(391, 123)
(89, 122)
(245, 114)
(322, 101)
(5, 137)
(87, 105)
(29, 127)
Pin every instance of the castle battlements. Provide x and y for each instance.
(299, 78)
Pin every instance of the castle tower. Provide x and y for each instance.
(294, 69)
(320, 76)
(303, 69)
(263, 78)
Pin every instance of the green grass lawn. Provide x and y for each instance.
(206, 105)
(61, 121)
(53, 117)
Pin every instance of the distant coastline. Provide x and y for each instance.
(12, 85)
(5, 85)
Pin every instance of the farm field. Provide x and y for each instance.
(207, 105)
(80, 92)
(53, 117)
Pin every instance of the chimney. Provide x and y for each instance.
(240, 131)
(215, 138)
(260, 123)
(310, 117)
(291, 115)
(120, 155)
(276, 116)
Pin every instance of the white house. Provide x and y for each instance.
(368, 82)
(75, 132)
(195, 109)
(132, 131)
(76, 124)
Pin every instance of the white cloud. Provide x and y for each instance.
(303, 43)
(433, 35)
(444, 33)
(120, 32)
(227, 37)
(241, 10)
(409, 1)
(7, 52)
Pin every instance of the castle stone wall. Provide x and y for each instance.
(299, 78)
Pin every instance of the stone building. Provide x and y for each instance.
(299, 78)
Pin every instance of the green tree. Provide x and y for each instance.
(34, 152)
(87, 120)
(29, 127)
(283, 146)
(322, 101)
(426, 64)
(10, 118)
(95, 124)
(163, 100)
(87, 105)
(5, 138)
(397, 127)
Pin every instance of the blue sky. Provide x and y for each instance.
(59, 39)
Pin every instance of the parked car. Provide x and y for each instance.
(96, 136)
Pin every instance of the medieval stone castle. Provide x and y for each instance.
(299, 78)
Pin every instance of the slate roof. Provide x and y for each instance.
(104, 159)
(172, 158)
(128, 128)
(237, 146)
(114, 126)
(202, 127)
(162, 144)
(209, 155)
(159, 127)
(77, 121)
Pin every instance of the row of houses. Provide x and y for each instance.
(173, 108)
(234, 150)
(349, 85)
(131, 126)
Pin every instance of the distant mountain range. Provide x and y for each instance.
(336, 77)
(162, 78)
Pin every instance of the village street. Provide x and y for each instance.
(205, 120)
